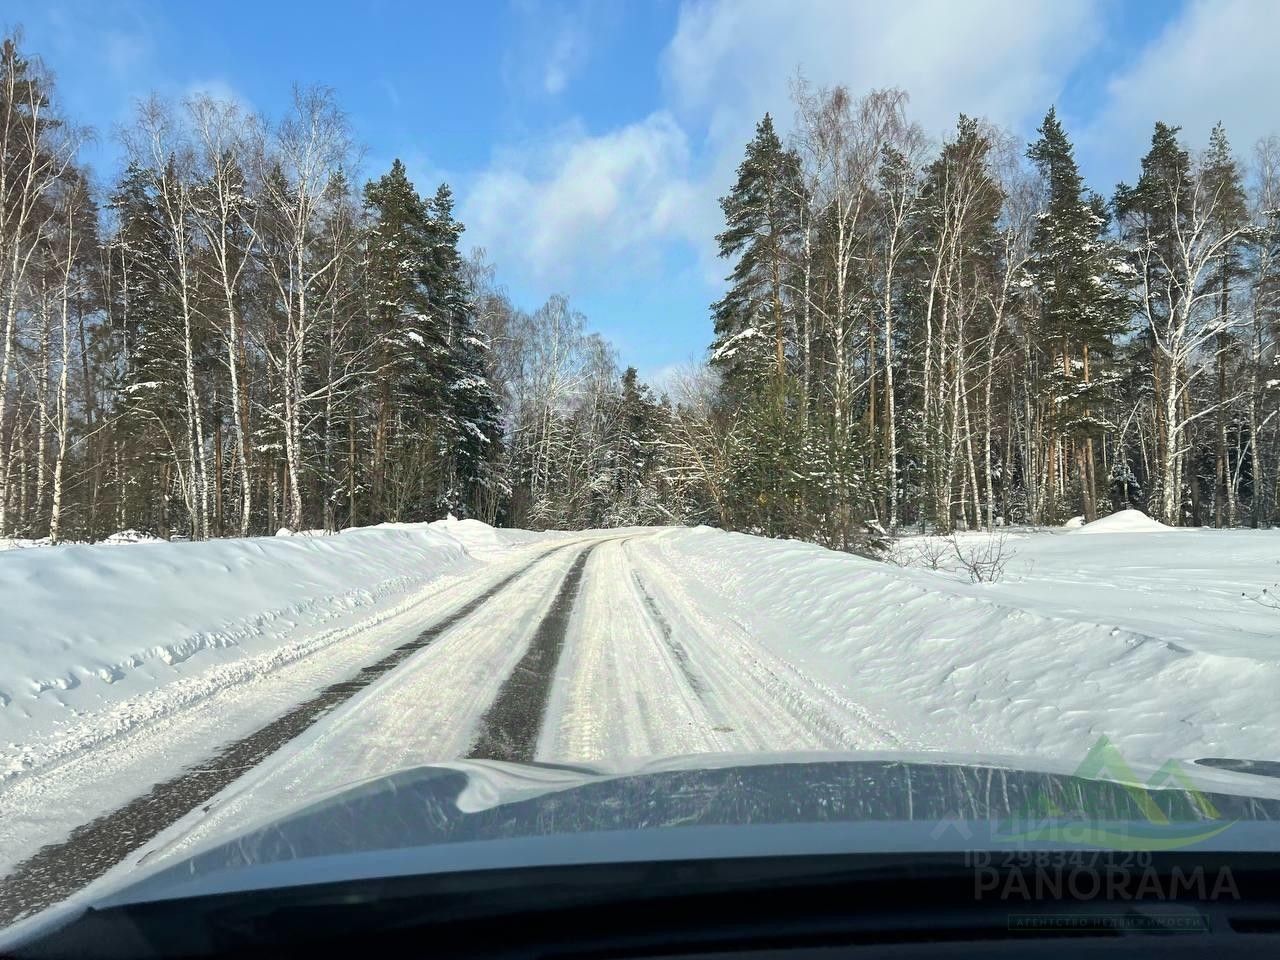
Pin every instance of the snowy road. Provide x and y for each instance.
(167, 717)
(594, 649)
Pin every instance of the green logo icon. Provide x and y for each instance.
(1109, 807)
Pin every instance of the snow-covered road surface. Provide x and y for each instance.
(575, 655)
(606, 648)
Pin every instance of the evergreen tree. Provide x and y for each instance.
(411, 347)
(448, 297)
(1183, 229)
(471, 434)
(1080, 309)
(1150, 216)
(633, 494)
(1151, 213)
(762, 217)
(1230, 211)
(150, 377)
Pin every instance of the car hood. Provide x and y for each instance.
(473, 815)
(463, 816)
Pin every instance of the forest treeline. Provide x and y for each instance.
(966, 335)
(233, 334)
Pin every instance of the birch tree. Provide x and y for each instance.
(37, 148)
(299, 162)
(1177, 233)
(225, 214)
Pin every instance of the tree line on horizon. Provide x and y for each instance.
(965, 335)
(232, 336)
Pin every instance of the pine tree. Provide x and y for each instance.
(752, 320)
(1179, 230)
(1222, 179)
(1150, 215)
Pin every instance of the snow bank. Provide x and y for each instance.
(90, 633)
(132, 536)
(486, 542)
(1155, 650)
(17, 543)
(1125, 521)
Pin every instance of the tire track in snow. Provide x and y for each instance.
(427, 711)
(509, 728)
(719, 721)
(772, 703)
(620, 693)
(664, 627)
(58, 870)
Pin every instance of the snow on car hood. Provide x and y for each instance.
(474, 815)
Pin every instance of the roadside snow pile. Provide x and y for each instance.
(132, 536)
(1125, 521)
(97, 636)
(17, 543)
(1146, 641)
(123, 536)
(485, 542)
(1075, 523)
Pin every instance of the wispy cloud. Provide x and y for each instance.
(1214, 62)
(554, 45)
(125, 52)
(568, 50)
(577, 202)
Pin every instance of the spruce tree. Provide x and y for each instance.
(408, 396)
(471, 434)
(150, 375)
(1080, 307)
(633, 445)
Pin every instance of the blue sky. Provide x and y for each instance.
(588, 142)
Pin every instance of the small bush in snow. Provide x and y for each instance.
(983, 560)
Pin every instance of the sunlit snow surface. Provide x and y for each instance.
(97, 639)
(124, 661)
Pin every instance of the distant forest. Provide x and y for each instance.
(234, 335)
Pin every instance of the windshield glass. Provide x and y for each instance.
(632, 409)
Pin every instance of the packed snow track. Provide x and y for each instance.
(583, 649)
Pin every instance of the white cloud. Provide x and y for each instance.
(731, 60)
(1215, 61)
(554, 211)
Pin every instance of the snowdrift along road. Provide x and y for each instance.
(97, 639)
(661, 642)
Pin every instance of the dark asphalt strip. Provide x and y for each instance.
(58, 870)
(509, 729)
